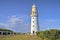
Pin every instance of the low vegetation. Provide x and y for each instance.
(19, 37)
(42, 35)
(49, 34)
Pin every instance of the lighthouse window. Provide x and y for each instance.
(33, 25)
(33, 12)
(33, 21)
(33, 17)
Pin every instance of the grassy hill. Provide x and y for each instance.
(19, 37)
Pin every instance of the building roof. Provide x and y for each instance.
(33, 5)
(5, 30)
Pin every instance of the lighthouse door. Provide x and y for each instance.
(33, 32)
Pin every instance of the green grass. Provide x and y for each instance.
(19, 37)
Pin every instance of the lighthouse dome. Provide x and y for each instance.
(33, 5)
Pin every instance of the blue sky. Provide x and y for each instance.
(15, 14)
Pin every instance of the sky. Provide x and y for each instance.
(15, 14)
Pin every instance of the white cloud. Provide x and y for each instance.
(2, 25)
(14, 23)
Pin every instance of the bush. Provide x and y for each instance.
(52, 34)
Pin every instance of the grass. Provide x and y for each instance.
(19, 37)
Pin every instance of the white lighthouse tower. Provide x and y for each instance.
(34, 20)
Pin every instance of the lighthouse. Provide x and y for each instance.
(34, 20)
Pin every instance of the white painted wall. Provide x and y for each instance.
(35, 28)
